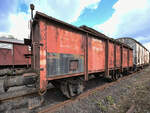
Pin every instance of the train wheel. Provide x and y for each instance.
(120, 75)
(116, 76)
(65, 89)
(75, 89)
(72, 87)
(113, 78)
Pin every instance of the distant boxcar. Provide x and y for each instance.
(13, 54)
(140, 53)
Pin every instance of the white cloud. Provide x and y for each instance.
(66, 10)
(131, 18)
(19, 26)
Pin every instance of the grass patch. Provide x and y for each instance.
(101, 106)
(110, 100)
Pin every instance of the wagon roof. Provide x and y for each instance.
(101, 34)
(84, 27)
(10, 39)
(91, 31)
(129, 38)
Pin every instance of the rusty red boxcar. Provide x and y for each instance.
(62, 50)
(66, 56)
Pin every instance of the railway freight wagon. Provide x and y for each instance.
(66, 56)
(12, 56)
(140, 53)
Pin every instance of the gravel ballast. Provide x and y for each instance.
(133, 91)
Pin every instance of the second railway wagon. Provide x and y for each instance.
(66, 55)
(140, 53)
(13, 55)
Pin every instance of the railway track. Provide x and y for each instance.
(9, 96)
(4, 97)
(52, 108)
(17, 94)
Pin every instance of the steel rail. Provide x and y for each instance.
(18, 94)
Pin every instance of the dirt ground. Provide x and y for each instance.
(133, 91)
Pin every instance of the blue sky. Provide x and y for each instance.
(99, 15)
(115, 18)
